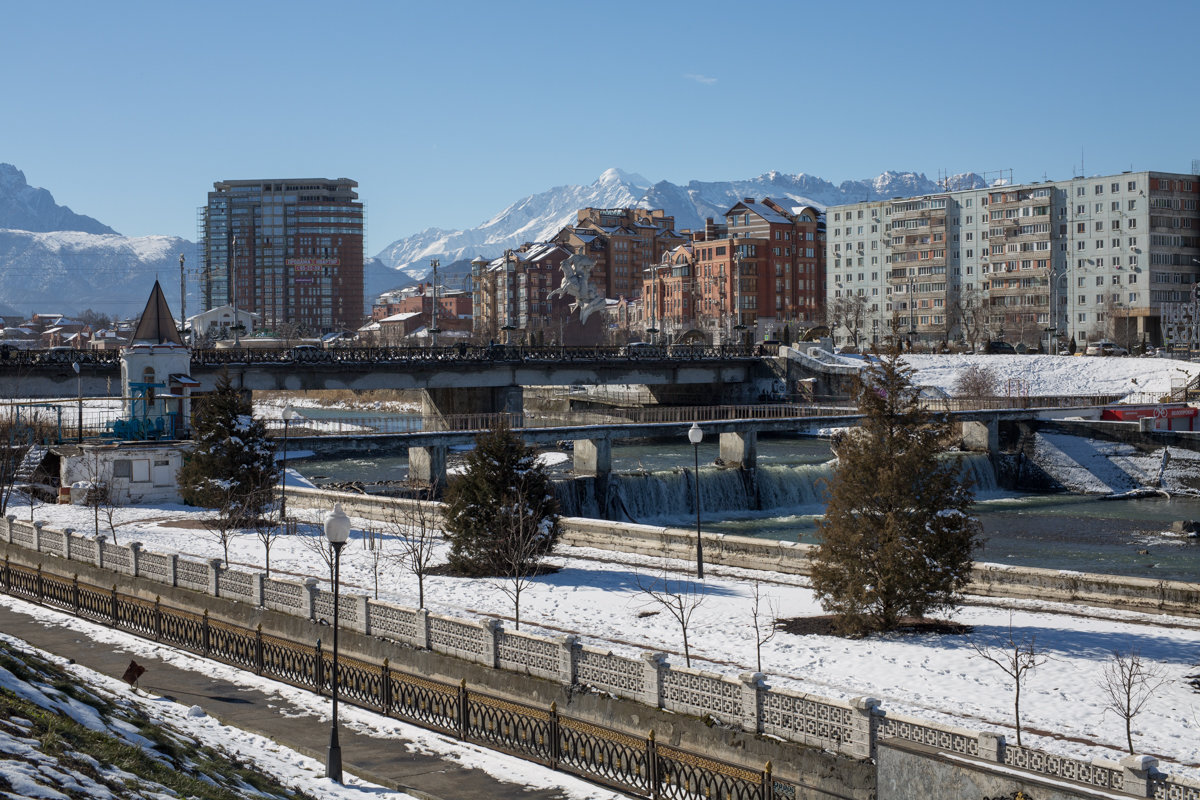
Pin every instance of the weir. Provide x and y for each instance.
(669, 495)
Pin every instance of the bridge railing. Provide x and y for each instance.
(463, 352)
(1003, 403)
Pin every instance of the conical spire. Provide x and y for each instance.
(157, 324)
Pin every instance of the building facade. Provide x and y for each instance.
(290, 250)
(623, 242)
(1087, 258)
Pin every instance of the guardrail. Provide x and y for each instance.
(633, 764)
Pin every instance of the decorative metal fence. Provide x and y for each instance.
(628, 763)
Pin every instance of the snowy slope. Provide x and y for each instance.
(69, 271)
(1035, 375)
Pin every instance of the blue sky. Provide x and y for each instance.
(447, 112)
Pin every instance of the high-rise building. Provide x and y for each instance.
(288, 249)
(1088, 258)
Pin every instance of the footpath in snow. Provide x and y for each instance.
(596, 595)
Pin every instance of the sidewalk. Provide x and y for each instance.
(384, 761)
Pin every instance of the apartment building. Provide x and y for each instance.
(511, 294)
(1087, 258)
(623, 242)
(288, 249)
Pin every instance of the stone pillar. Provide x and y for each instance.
(257, 581)
(569, 646)
(100, 540)
(8, 526)
(991, 747)
(214, 577)
(68, 535)
(982, 436)
(864, 726)
(422, 628)
(491, 654)
(752, 687)
(1136, 778)
(310, 598)
(362, 612)
(428, 465)
(592, 457)
(173, 569)
(652, 666)
(135, 552)
(37, 537)
(740, 449)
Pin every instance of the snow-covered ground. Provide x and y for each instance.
(1090, 466)
(596, 595)
(1038, 375)
(36, 773)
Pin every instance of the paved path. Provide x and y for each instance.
(382, 761)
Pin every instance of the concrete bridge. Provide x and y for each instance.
(462, 379)
(592, 443)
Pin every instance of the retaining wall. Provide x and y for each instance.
(741, 719)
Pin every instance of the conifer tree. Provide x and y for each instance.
(501, 515)
(232, 466)
(898, 536)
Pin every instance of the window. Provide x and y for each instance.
(1131, 186)
(122, 468)
(1116, 187)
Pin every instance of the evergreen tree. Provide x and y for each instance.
(1072, 347)
(897, 538)
(232, 466)
(501, 515)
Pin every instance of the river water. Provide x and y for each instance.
(652, 483)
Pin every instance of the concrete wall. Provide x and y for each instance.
(992, 580)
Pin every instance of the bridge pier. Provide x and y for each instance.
(593, 458)
(437, 403)
(740, 449)
(428, 465)
(982, 436)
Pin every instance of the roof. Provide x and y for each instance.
(764, 211)
(157, 324)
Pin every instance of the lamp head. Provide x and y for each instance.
(695, 433)
(337, 525)
(289, 412)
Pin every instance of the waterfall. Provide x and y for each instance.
(668, 496)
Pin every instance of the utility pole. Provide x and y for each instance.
(182, 295)
(237, 339)
(433, 328)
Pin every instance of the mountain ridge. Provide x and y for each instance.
(539, 216)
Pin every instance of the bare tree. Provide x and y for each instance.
(1128, 683)
(976, 383)
(763, 621)
(680, 597)
(417, 535)
(1015, 658)
(520, 551)
(221, 525)
(312, 538)
(970, 313)
(100, 495)
(374, 543)
(267, 529)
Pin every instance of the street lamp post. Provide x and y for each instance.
(695, 435)
(433, 311)
(337, 531)
(237, 339)
(289, 414)
(79, 391)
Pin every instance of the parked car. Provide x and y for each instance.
(1104, 347)
(999, 348)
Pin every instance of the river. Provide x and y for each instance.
(652, 483)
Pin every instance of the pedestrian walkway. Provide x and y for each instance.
(383, 761)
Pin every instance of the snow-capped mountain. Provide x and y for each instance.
(69, 271)
(530, 219)
(28, 208)
(540, 216)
